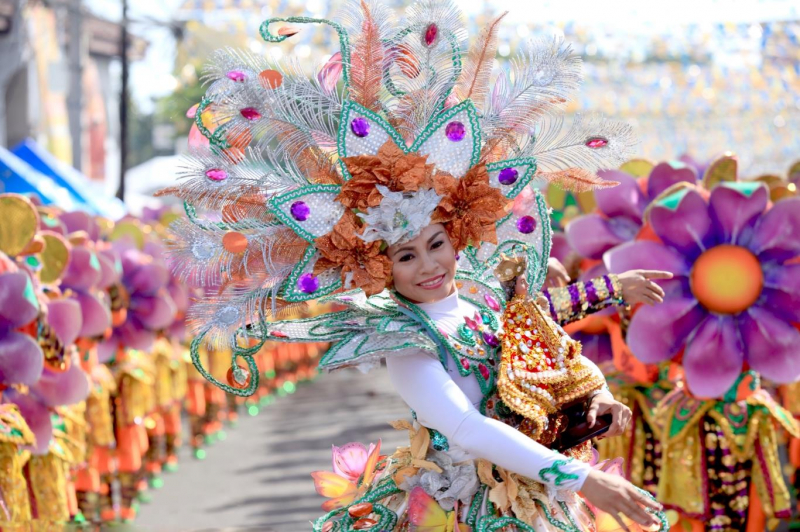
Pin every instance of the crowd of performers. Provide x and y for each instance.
(702, 373)
(96, 378)
(97, 389)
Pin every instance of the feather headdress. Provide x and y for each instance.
(305, 180)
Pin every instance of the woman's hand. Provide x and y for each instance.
(604, 403)
(615, 495)
(637, 286)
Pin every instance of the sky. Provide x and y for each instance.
(152, 77)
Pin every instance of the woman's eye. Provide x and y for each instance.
(437, 245)
(407, 257)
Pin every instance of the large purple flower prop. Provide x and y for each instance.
(620, 215)
(735, 298)
(142, 290)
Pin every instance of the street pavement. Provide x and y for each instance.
(258, 478)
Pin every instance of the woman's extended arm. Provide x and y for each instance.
(440, 404)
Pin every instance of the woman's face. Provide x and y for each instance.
(424, 268)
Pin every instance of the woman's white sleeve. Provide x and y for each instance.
(440, 404)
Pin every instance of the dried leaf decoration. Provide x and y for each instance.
(366, 72)
(576, 180)
(474, 80)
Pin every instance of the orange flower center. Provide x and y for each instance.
(727, 279)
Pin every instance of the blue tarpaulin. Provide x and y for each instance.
(19, 177)
(81, 187)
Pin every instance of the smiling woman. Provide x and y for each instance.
(405, 199)
(424, 269)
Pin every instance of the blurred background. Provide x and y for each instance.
(698, 77)
(93, 102)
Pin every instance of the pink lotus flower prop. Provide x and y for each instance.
(735, 299)
(353, 471)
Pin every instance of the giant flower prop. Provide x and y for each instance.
(620, 210)
(735, 298)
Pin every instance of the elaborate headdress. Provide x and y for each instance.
(306, 180)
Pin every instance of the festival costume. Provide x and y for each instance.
(417, 136)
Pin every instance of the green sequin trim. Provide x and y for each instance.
(559, 477)
(237, 352)
(438, 440)
(289, 289)
(344, 39)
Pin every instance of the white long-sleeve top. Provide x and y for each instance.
(446, 401)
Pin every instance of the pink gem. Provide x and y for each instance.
(465, 363)
(250, 113)
(430, 34)
(236, 75)
(492, 302)
(215, 174)
(596, 142)
(442, 332)
(472, 324)
(278, 334)
(455, 131)
(484, 371)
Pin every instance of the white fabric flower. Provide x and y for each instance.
(400, 216)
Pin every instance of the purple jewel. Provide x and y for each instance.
(300, 211)
(430, 34)
(526, 224)
(308, 283)
(250, 113)
(491, 339)
(360, 127)
(508, 176)
(236, 75)
(492, 302)
(455, 131)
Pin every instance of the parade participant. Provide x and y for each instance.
(395, 195)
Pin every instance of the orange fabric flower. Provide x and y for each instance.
(391, 167)
(470, 207)
(371, 269)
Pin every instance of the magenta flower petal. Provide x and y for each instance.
(736, 210)
(699, 168)
(687, 228)
(560, 248)
(83, 269)
(713, 357)
(96, 314)
(148, 279)
(18, 303)
(773, 345)
(64, 317)
(38, 418)
(595, 347)
(59, 389)
(658, 333)
(781, 292)
(131, 336)
(646, 255)
(776, 235)
(80, 221)
(110, 269)
(21, 359)
(155, 312)
(592, 235)
(626, 199)
(664, 175)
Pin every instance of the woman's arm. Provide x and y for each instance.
(577, 300)
(440, 404)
